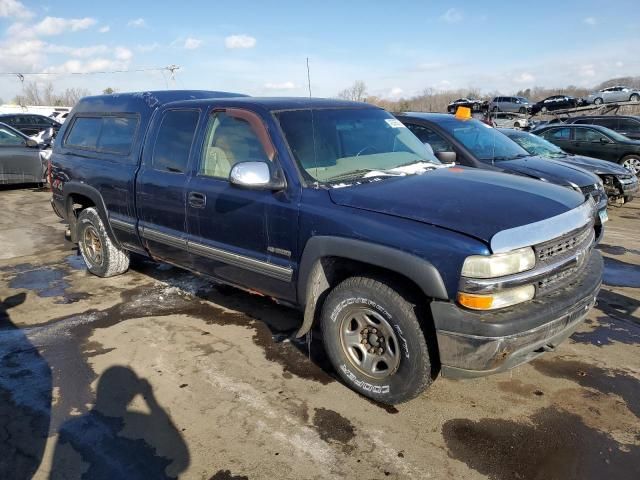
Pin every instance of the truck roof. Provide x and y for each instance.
(136, 101)
(283, 103)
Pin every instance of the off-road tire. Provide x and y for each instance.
(414, 372)
(114, 260)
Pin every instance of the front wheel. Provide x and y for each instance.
(102, 257)
(598, 101)
(631, 163)
(373, 338)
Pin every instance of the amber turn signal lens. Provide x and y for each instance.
(476, 302)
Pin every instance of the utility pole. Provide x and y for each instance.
(172, 68)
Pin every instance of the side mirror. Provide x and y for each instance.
(447, 157)
(256, 176)
(32, 143)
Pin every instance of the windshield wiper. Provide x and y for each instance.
(350, 175)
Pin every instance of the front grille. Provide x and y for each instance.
(566, 245)
(554, 280)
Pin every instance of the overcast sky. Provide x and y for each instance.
(397, 47)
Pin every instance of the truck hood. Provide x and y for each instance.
(551, 170)
(475, 202)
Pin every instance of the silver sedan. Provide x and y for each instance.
(619, 93)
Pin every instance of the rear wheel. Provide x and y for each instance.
(102, 256)
(634, 98)
(373, 338)
(631, 163)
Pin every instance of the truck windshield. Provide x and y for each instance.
(337, 144)
(484, 142)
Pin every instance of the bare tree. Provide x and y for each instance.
(44, 94)
(356, 92)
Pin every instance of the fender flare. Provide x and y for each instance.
(94, 195)
(313, 283)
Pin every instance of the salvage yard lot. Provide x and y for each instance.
(200, 381)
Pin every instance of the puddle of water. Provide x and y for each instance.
(610, 331)
(606, 381)
(556, 445)
(76, 262)
(45, 282)
(621, 274)
(617, 249)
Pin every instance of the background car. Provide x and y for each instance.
(594, 141)
(627, 125)
(555, 102)
(473, 144)
(619, 93)
(20, 158)
(508, 120)
(509, 104)
(474, 104)
(29, 123)
(619, 184)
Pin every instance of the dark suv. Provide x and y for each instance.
(409, 267)
(29, 123)
(627, 125)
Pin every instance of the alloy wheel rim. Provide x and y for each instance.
(632, 164)
(369, 342)
(92, 246)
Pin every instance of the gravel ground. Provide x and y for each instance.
(161, 374)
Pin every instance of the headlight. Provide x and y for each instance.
(499, 299)
(499, 265)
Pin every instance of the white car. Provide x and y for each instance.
(619, 93)
(508, 120)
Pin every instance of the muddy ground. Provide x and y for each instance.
(170, 375)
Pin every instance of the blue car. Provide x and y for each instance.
(409, 267)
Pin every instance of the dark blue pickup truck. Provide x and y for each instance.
(409, 267)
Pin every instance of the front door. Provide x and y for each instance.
(161, 186)
(242, 236)
(18, 163)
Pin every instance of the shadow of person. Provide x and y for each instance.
(25, 398)
(112, 441)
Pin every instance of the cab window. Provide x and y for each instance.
(426, 135)
(229, 140)
(174, 140)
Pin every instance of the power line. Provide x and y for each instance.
(21, 75)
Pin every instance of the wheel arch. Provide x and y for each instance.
(327, 260)
(76, 193)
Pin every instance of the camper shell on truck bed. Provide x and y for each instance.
(410, 267)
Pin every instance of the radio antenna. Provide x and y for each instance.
(308, 78)
(313, 127)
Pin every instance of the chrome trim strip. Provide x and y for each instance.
(164, 238)
(488, 285)
(544, 230)
(257, 266)
(122, 225)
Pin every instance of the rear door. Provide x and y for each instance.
(242, 236)
(18, 163)
(161, 185)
